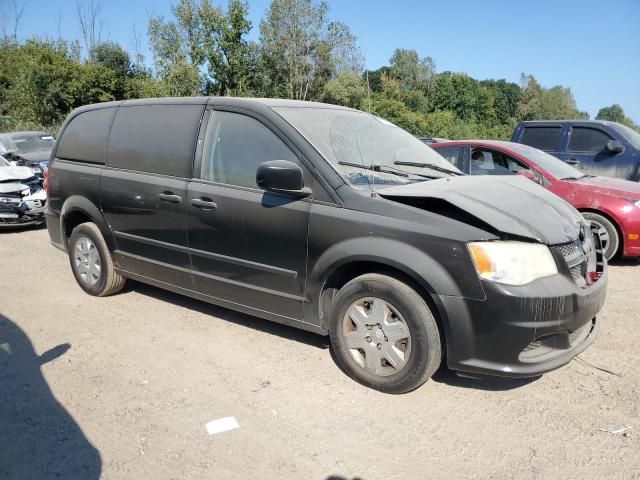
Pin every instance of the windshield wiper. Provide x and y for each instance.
(382, 169)
(574, 178)
(432, 166)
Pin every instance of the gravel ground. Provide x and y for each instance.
(122, 387)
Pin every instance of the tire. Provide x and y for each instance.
(608, 234)
(91, 262)
(367, 348)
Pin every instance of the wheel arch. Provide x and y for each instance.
(77, 210)
(613, 221)
(346, 272)
(355, 257)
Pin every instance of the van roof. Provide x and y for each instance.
(229, 101)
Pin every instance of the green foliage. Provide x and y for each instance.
(302, 50)
(413, 72)
(346, 89)
(615, 113)
(538, 103)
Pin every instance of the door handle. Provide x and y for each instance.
(170, 197)
(573, 161)
(204, 203)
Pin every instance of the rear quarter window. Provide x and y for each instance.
(85, 138)
(155, 139)
(543, 138)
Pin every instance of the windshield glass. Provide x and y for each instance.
(551, 164)
(28, 143)
(629, 133)
(345, 136)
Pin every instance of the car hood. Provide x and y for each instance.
(514, 206)
(15, 173)
(615, 187)
(35, 157)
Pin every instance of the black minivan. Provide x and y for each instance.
(331, 220)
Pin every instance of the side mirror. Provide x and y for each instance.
(527, 174)
(614, 146)
(282, 176)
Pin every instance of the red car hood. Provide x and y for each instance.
(614, 187)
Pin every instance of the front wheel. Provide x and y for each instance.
(609, 238)
(91, 262)
(384, 334)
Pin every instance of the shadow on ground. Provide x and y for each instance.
(481, 382)
(625, 262)
(38, 438)
(444, 375)
(255, 323)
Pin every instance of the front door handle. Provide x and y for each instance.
(573, 161)
(170, 197)
(204, 203)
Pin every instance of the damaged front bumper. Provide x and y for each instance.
(524, 331)
(22, 208)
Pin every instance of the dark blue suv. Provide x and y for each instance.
(595, 147)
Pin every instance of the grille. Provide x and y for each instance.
(576, 272)
(568, 249)
(577, 260)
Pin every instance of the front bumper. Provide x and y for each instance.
(522, 331)
(21, 213)
(631, 237)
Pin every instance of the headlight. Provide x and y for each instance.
(512, 263)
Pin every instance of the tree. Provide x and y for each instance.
(413, 72)
(177, 48)
(112, 56)
(347, 89)
(615, 113)
(506, 97)
(539, 103)
(41, 87)
(462, 95)
(91, 24)
(226, 48)
(17, 12)
(302, 50)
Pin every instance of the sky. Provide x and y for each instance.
(591, 46)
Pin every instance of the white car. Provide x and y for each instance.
(22, 197)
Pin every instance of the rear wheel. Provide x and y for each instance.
(609, 238)
(91, 262)
(384, 334)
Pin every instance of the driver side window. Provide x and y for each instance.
(236, 145)
(488, 162)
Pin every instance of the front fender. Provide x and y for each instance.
(416, 263)
(81, 205)
(420, 266)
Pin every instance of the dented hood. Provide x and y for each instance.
(15, 173)
(511, 205)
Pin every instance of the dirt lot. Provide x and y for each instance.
(122, 388)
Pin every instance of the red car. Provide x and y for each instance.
(610, 203)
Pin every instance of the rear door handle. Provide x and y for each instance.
(204, 203)
(573, 161)
(170, 198)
